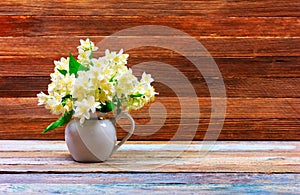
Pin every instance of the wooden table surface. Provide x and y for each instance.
(240, 167)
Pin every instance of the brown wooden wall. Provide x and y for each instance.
(254, 42)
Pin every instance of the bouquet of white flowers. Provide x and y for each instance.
(85, 85)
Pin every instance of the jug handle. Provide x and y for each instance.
(132, 127)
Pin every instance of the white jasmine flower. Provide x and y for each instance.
(43, 98)
(61, 84)
(63, 64)
(99, 63)
(120, 58)
(146, 78)
(95, 73)
(107, 72)
(54, 104)
(82, 110)
(68, 83)
(84, 107)
(126, 83)
(110, 55)
(93, 105)
(69, 105)
(106, 91)
(87, 45)
(84, 57)
(81, 86)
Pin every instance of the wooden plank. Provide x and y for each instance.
(62, 154)
(193, 25)
(246, 119)
(203, 183)
(157, 8)
(235, 87)
(152, 178)
(263, 77)
(218, 47)
(141, 188)
(257, 67)
(60, 146)
(256, 157)
(238, 108)
(233, 129)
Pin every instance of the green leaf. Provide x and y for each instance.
(112, 78)
(91, 55)
(63, 72)
(82, 68)
(136, 95)
(107, 107)
(60, 122)
(67, 96)
(64, 99)
(75, 66)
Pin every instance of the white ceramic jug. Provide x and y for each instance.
(95, 140)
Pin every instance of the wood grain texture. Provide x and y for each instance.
(233, 129)
(232, 157)
(235, 87)
(32, 26)
(271, 76)
(274, 118)
(158, 183)
(268, 8)
(152, 178)
(254, 43)
(254, 67)
(218, 47)
(239, 108)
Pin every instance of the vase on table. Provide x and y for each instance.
(95, 140)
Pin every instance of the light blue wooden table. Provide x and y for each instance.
(45, 167)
